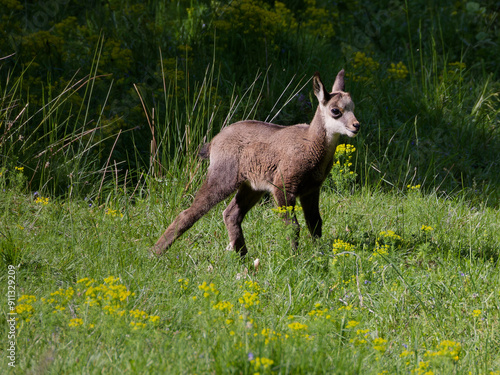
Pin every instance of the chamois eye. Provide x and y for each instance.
(336, 112)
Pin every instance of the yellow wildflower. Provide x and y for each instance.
(319, 313)
(344, 149)
(296, 326)
(457, 65)
(183, 283)
(447, 349)
(415, 187)
(223, 306)
(137, 325)
(422, 369)
(138, 314)
(254, 285)
(154, 318)
(352, 324)
(341, 246)
(42, 200)
(389, 234)
(398, 71)
(249, 299)
(75, 322)
(347, 308)
(25, 308)
(261, 362)
(364, 68)
(113, 213)
(379, 344)
(208, 289)
(111, 280)
(405, 353)
(287, 209)
(26, 298)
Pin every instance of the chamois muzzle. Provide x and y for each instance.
(353, 128)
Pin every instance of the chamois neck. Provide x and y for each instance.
(319, 131)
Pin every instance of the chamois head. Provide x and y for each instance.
(336, 107)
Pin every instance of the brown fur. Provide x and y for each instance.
(253, 157)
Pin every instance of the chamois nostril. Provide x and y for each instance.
(356, 125)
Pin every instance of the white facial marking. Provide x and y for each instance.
(334, 127)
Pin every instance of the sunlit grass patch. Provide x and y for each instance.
(86, 304)
(354, 293)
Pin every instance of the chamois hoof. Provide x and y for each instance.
(256, 264)
(242, 275)
(154, 252)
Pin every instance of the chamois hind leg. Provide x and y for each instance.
(243, 201)
(211, 192)
(310, 207)
(285, 199)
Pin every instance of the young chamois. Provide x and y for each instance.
(253, 157)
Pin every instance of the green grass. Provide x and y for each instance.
(401, 301)
(98, 143)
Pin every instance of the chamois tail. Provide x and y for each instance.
(204, 152)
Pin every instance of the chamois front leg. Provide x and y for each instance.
(310, 207)
(285, 199)
(244, 199)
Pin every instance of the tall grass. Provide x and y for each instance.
(440, 131)
(57, 152)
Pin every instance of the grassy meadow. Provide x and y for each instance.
(103, 106)
(400, 283)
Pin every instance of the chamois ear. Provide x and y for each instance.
(339, 82)
(319, 89)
